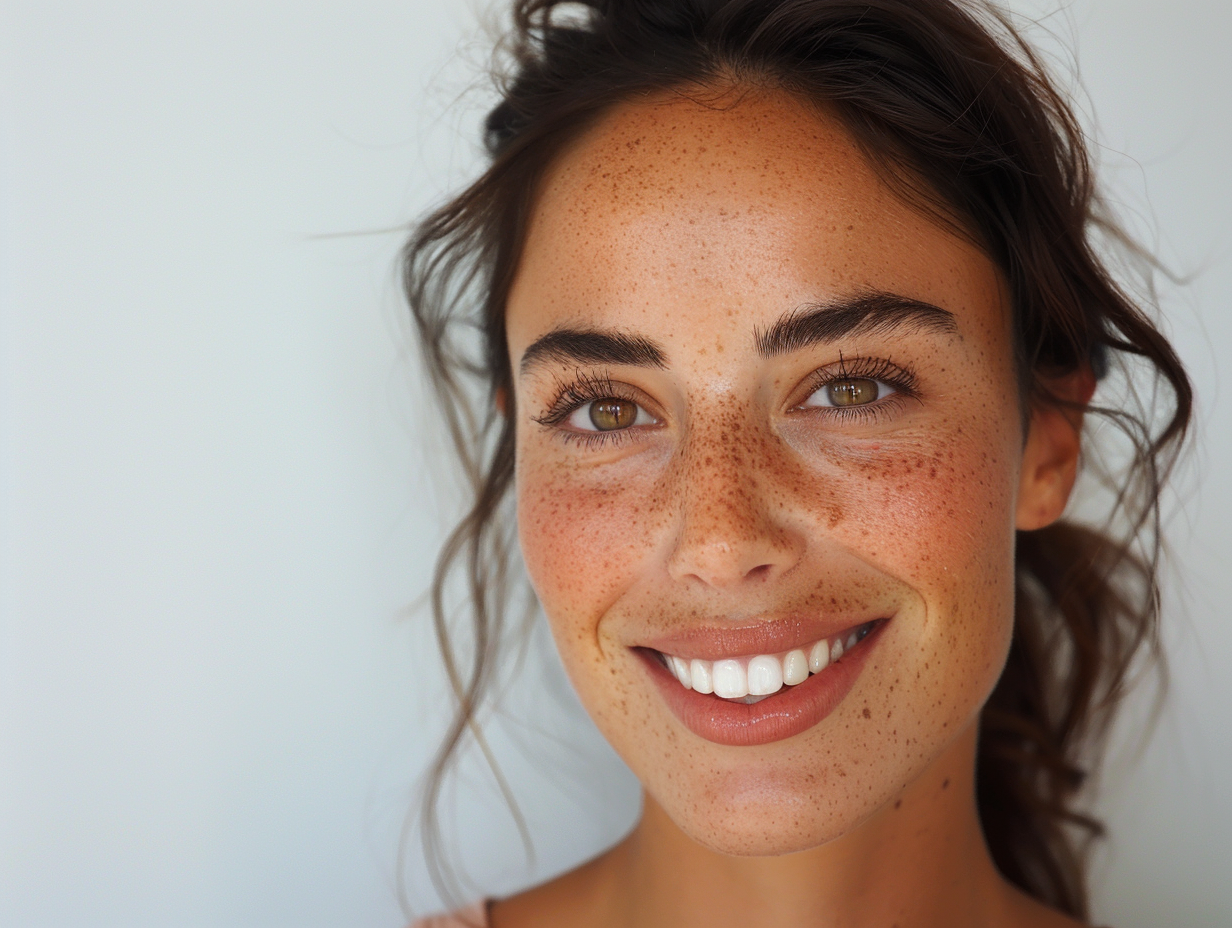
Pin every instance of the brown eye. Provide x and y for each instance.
(855, 391)
(849, 393)
(610, 413)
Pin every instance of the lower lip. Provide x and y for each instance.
(788, 712)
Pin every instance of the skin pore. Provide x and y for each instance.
(754, 386)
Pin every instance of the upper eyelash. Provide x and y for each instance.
(901, 378)
(585, 388)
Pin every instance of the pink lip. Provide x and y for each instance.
(789, 712)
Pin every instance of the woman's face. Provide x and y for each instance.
(768, 441)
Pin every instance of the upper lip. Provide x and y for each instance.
(719, 640)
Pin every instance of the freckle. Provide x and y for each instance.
(945, 784)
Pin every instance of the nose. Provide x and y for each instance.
(732, 525)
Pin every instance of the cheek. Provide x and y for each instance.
(584, 543)
(583, 539)
(934, 513)
(939, 513)
(940, 519)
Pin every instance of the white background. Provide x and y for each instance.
(215, 498)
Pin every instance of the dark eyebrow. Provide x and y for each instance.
(593, 346)
(865, 314)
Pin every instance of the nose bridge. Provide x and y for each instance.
(729, 525)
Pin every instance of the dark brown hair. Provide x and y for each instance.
(957, 112)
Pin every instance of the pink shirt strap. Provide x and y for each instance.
(473, 916)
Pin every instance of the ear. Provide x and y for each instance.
(1050, 458)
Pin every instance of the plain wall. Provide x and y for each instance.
(217, 481)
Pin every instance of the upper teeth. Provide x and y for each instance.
(763, 674)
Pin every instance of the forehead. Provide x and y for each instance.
(688, 205)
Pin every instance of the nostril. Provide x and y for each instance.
(726, 552)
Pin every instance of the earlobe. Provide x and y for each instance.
(1050, 458)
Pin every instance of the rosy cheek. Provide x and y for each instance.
(936, 513)
(940, 520)
(583, 540)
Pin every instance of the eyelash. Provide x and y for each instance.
(572, 396)
(587, 388)
(901, 378)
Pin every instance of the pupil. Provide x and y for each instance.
(611, 413)
(855, 392)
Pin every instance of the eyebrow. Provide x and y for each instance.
(592, 346)
(874, 313)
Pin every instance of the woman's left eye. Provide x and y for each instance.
(846, 392)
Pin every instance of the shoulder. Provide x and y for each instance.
(1026, 911)
(473, 916)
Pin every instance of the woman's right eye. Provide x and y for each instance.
(608, 414)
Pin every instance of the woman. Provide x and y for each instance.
(792, 314)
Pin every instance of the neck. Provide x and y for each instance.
(920, 860)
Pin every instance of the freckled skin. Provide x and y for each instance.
(696, 227)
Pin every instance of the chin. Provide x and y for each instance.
(761, 814)
(753, 839)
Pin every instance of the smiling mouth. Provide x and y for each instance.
(752, 678)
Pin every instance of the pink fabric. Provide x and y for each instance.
(473, 916)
